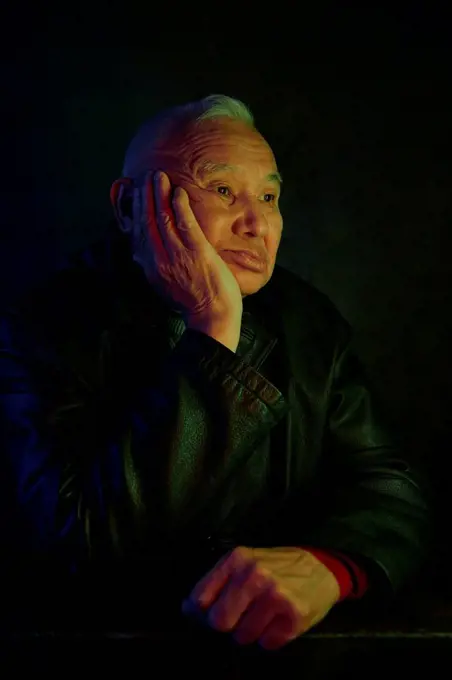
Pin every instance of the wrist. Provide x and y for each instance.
(226, 331)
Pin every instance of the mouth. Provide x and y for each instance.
(246, 260)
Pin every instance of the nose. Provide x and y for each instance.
(252, 220)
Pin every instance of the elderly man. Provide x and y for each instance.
(176, 400)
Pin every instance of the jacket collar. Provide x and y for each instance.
(139, 305)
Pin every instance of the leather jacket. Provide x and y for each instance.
(122, 431)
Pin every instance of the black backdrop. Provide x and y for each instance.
(356, 107)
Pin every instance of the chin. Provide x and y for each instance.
(250, 282)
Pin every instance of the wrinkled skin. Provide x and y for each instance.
(236, 209)
(266, 595)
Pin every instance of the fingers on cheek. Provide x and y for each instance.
(163, 191)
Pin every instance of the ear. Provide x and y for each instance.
(121, 198)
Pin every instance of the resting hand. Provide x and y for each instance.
(270, 595)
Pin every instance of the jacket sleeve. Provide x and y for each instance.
(378, 506)
(207, 400)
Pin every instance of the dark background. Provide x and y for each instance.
(356, 105)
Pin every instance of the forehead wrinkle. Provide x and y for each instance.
(195, 144)
(208, 167)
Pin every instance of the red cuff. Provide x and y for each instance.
(352, 579)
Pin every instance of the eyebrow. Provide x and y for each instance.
(209, 168)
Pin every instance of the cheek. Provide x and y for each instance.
(275, 236)
(210, 217)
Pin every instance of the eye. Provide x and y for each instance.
(222, 186)
(272, 198)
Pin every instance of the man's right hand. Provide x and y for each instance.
(182, 265)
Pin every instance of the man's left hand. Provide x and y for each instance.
(270, 595)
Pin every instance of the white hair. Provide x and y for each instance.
(157, 130)
(219, 105)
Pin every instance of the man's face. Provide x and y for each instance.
(230, 174)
